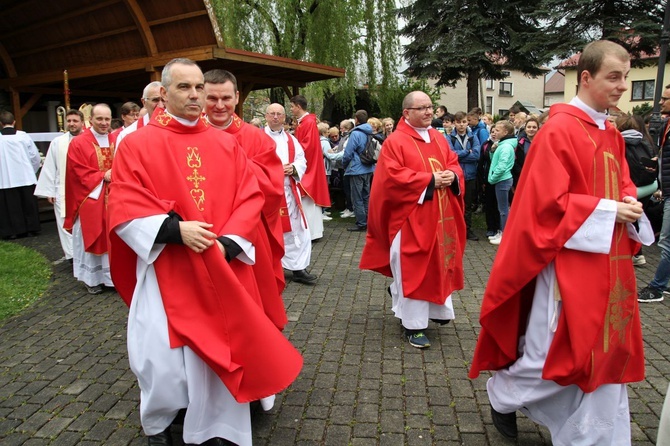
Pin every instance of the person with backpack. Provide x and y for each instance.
(466, 145)
(360, 174)
(642, 161)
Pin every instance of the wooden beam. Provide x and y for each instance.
(287, 91)
(29, 104)
(16, 107)
(7, 61)
(276, 61)
(113, 67)
(78, 92)
(69, 17)
(142, 26)
(176, 18)
(89, 38)
(272, 81)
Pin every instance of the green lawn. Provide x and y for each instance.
(24, 276)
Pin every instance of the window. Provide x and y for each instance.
(506, 73)
(503, 113)
(643, 91)
(489, 84)
(488, 107)
(505, 89)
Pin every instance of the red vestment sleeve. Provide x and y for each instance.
(313, 183)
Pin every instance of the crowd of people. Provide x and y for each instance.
(197, 218)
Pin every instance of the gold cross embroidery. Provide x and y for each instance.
(194, 161)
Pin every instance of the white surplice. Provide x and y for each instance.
(297, 242)
(19, 160)
(51, 183)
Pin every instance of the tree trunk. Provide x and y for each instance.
(473, 89)
(277, 95)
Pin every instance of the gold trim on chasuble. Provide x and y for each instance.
(617, 317)
(105, 156)
(194, 161)
(447, 243)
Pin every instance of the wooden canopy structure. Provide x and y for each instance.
(113, 48)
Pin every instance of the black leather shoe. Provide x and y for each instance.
(218, 442)
(162, 439)
(304, 277)
(505, 423)
(441, 321)
(358, 229)
(472, 236)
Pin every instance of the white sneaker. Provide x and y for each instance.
(327, 213)
(324, 217)
(497, 234)
(496, 240)
(347, 214)
(639, 260)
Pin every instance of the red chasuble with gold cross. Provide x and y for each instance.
(598, 338)
(201, 174)
(267, 166)
(433, 233)
(86, 165)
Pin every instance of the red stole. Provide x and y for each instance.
(433, 233)
(314, 182)
(598, 339)
(283, 210)
(85, 168)
(202, 174)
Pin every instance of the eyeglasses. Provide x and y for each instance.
(155, 100)
(423, 109)
(664, 99)
(275, 114)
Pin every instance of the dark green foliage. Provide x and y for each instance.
(457, 39)
(634, 24)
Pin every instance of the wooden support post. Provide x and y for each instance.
(16, 107)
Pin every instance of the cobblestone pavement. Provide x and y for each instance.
(64, 376)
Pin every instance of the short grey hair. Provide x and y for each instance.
(149, 86)
(166, 75)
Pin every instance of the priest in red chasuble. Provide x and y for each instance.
(87, 177)
(314, 184)
(221, 98)
(184, 207)
(560, 320)
(416, 228)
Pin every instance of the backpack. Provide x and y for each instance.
(370, 153)
(519, 159)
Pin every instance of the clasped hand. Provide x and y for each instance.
(195, 235)
(443, 179)
(628, 211)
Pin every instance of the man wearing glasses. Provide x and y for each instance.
(151, 98)
(416, 228)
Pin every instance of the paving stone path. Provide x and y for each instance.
(65, 380)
